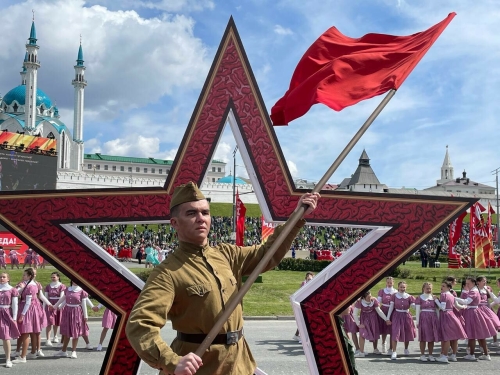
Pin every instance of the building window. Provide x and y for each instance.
(218, 170)
(122, 168)
(160, 171)
(114, 167)
(137, 169)
(152, 170)
(105, 167)
(213, 169)
(98, 167)
(130, 169)
(89, 166)
(168, 171)
(213, 179)
(145, 170)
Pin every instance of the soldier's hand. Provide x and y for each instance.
(188, 365)
(309, 199)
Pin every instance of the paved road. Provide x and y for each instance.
(275, 352)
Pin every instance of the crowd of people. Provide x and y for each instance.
(444, 317)
(28, 308)
(29, 258)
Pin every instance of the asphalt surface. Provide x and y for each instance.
(273, 348)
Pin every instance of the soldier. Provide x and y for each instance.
(192, 286)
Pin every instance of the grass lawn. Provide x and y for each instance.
(272, 296)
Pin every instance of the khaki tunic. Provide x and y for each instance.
(191, 288)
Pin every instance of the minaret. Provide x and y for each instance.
(446, 169)
(79, 84)
(31, 64)
(23, 72)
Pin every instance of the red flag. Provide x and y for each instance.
(340, 71)
(267, 229)
(240, 220)
(455, 231)
(478, 235)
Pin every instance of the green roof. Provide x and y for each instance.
(127, 159)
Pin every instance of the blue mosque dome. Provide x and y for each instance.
(229, 180)
(19, 94)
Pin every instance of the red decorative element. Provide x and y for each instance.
(37, 217)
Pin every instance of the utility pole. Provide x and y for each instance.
(234, 193)
(498, 214)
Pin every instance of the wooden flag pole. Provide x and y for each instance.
(290, 223)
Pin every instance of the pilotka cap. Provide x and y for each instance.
(186, 193)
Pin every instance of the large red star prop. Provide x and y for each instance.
(43, 219)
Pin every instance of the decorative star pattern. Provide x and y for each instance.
(40, 218)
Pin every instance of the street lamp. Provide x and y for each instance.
(498, 229)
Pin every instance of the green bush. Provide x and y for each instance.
(305, 265)
(405, 274)
(144, 274)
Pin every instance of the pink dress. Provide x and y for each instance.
(29, 256)
(108, 319)
(36, 259)
(369, 318)
(451, 325)
(32, 322)
(72, 319)
(384, 298)
(428, 325)
(14, 257)
(477, 323)
(39, 305)
(349, 323)
(53, 294)
(403, 328)
(8, 326)
(2, 258)
(484, 306)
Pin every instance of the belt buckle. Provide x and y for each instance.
(232, 338)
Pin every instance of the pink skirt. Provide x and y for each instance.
(384, 328)
(32, 322)
(478, 324)
(403, 328)
(451, 326)
(8, 327)
(2, 261)
(14, 260)
(428, 327)
(53, 316)
(109, 319)
(371, 332)
(72, 322)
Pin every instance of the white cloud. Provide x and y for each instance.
(280, 30)
(132, 145)
(293, 168)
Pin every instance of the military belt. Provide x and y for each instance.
(228, 338)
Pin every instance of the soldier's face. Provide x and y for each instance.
(193, 222)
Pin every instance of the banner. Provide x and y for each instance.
(455, 231)
(267, 229)
(489, 255)
(10, 242)
(479, 241)
(240, 220)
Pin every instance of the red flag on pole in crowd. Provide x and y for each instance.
(478, 235)
(455, 231)
(340, 71)
(240, 220)
(267, 229)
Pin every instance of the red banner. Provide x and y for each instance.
(479, 241)
(455, 231)
(240, 220)
(489, 255)
(10, 242)
(267, 229)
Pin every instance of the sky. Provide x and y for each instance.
(147, 60)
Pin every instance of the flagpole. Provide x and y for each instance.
(290, 223)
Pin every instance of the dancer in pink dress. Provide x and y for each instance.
(108, 322)
(8, 326)
(3, 264)
(350, 326)
(403, 328)
(451, 327)
(369, 326)
(28, 257)
(28, 318)
(478, 326)
(427, 322)
(53, 292)
(74, 318)
(384, 298)
(486, 293)
(14, 259)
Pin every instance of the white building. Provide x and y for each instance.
(363, 179)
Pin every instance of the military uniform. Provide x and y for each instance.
(191, 288)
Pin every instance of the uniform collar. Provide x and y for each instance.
(193, 249)
(5, 286)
